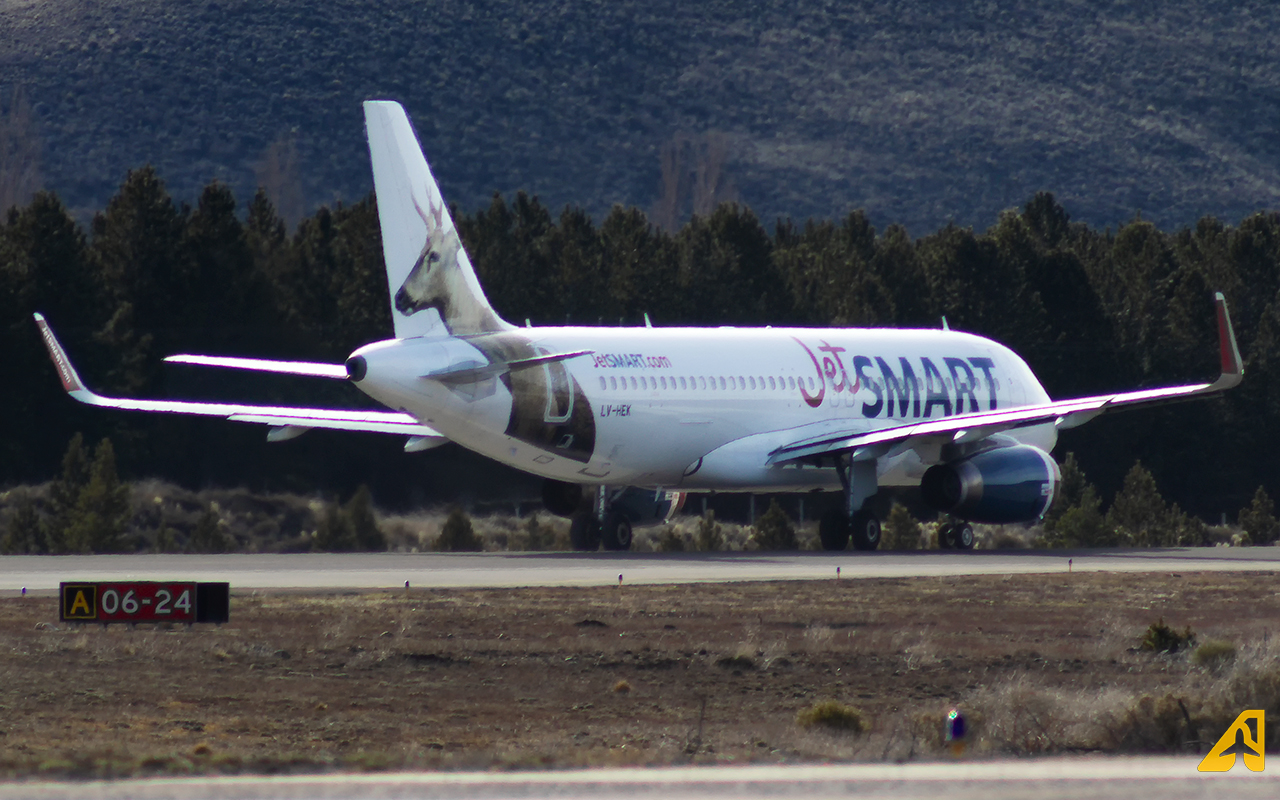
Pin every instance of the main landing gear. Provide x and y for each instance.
(955, 535)
(854, 520)
(595, 524)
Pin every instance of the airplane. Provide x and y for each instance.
(623, 423)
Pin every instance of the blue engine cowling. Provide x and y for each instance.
(1007, 484)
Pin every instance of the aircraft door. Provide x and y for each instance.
(560, 396)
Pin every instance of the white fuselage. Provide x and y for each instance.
(700, 408)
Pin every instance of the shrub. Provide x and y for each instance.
(207, 536)
(1214, 653)
(738, 661)
(774, 531)
(537, 537)
(1163, 639)
(364, 525)
(710, 536)
(670, 541)
(834, 715)
(901, 530)
(335, 535)
(457, 535)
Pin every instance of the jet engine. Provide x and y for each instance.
(1006, 484)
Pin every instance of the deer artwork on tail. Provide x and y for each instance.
(438, 281)
(548, 408)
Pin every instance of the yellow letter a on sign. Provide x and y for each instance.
(1246, 737)
(80, 607)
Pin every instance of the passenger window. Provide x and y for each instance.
(791, 383)
(603, 385)
(712, 382)
(633, 384)
(613, 384)
(742, 382)
(771, 383)
(664, 381)
(751, 381)
(702, 383)
(722, 383)
(653, 383)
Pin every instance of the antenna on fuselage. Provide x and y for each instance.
(647, 323)
(945, 327)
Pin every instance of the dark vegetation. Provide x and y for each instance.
(1090, 310)
(920, 111)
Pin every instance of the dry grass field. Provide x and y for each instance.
(560, 677)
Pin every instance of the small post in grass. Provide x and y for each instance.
(957, 730)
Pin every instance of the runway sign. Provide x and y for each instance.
(144, 601)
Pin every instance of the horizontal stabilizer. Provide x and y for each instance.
(275, 416)
(308, 368)
(471, 372)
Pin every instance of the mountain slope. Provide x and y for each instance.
(920, 112)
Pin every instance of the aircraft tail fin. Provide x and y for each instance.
(434, 289)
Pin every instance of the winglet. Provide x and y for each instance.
(67, 373)
(1228, 350)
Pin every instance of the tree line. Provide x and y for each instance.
(1090, 310)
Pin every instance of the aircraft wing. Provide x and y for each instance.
(287, 421)
(1065, 414)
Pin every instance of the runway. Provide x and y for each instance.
(1170, 778)
(40, 574)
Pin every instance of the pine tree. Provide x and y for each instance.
(1138, 513)
(1083, 525)
(364, 526)
(102, 510)
(1259, 520)
(774, 530)
(24, 534)
(64, 495)
(335, 534)
(457, 535)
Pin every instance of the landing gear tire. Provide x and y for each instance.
(946, 536)
(865, 529)
(833, 530)
(616, 534)
(963, 534)
(584, 532)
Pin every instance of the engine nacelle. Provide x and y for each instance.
(645, 507)
(1007, 484)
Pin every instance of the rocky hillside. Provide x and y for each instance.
(921, 111)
